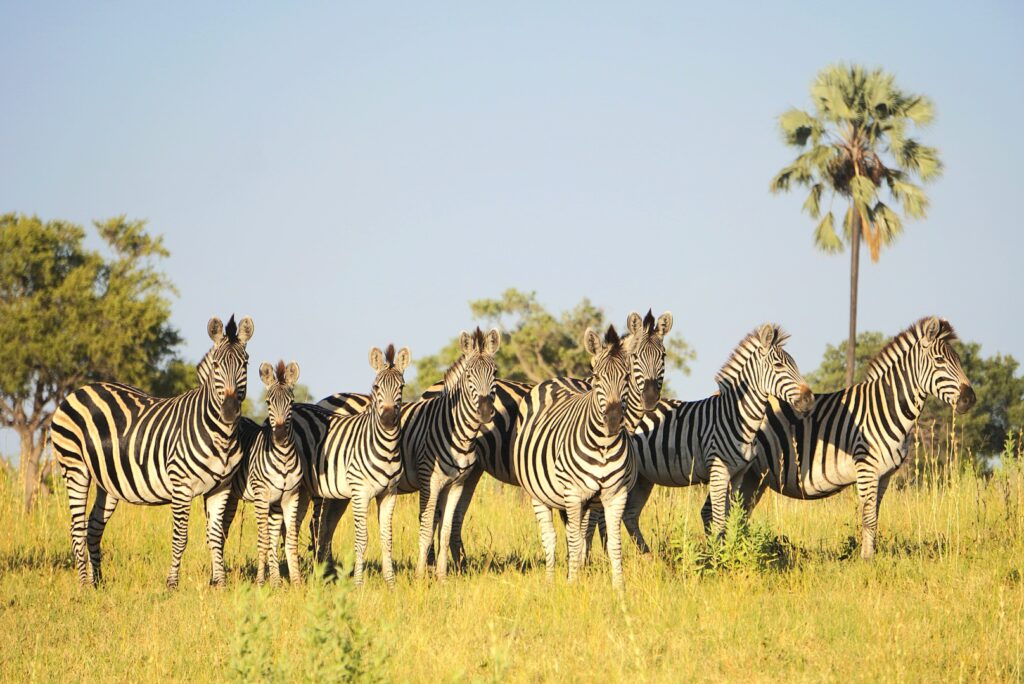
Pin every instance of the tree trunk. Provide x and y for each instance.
(851, 344)
(29, 465)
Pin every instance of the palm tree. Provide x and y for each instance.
(857, 147)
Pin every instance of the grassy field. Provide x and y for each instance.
(789, 598)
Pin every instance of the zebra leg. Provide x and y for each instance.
(458, 550)
(217, 504)
(867, 491)
(360, 504)
(614, 504)
(77, 482)
(718, 491)
(547, 536)
(385, 509)
(262, 537)
(573, 533)
(180, 505)
(292, 504)
(275, 515)
(428, 504)
(331, 512)
(450, 503)
(635, 502)
(102, 509)
(705, 514)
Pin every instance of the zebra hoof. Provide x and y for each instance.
(217, 583)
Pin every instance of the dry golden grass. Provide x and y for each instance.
(943, 600)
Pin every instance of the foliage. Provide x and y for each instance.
(999, 389)
(535, 344)
(745, 546)
(70, 315)
(857, 145)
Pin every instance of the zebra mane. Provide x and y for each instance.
(389, 354)
(895, 349)
(231, 331)
(730, 370)
(280, 371)
(454, 372)
(650, 322)
(614, 342)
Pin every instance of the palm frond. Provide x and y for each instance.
(813, 201)
(887, 223)
(911, 197)
(798, 127)
(825, 237)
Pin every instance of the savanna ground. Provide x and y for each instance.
(786, 597)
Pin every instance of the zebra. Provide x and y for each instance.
(858, 436)
(439, 439)
(682, 443)
(643, 391)
(570, 446)
(359, 459)
(270, 476)
(152, 451)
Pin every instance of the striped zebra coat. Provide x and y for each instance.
(152, 451)
(858, 436)
(439, 436)
(269, 476)
(572, 446)
(357, 459)
(643, 391)
(682, 443)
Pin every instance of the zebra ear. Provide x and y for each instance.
(377, 359)
(634, 323)
(245, 330)
(267, 373)
(591, 342)
(766, 336)
(664, 324)
(291, 374)
(931, 331)
(402, 359)
(465, 343)
(492, 341)
(215, 328)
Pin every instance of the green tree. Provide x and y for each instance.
(535, 344)
(858, 146)
(70, 315)
(830, 375)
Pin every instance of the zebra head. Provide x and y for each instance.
(224, 368)
(476, 382)
(386, 396)
(939, 369)
(647, 355)
(280, 384)
(775, 372)
(609, 375)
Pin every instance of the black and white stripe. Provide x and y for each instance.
(152, 451)
(439, 438)
(858, 436)
(270, 476)
(357, 460)
(689, 442)
(571, 446)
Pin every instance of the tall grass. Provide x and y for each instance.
(784, 596)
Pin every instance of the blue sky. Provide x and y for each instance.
(354, 175)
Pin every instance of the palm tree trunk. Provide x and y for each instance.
(851, 344)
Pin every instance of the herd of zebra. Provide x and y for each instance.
(591, 449)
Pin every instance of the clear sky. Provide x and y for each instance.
(350, 176)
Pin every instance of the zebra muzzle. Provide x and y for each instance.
(280, 433)
(613, 418)
(652, 393)
(967, 399)
(805, 399)
(230, 408)
(486, 410)
(389, 417)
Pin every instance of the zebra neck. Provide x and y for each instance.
(900, 386)
(464, 423)
(749, 407)
(634, 408)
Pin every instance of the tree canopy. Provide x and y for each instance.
(70, 315)
(536, 345)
